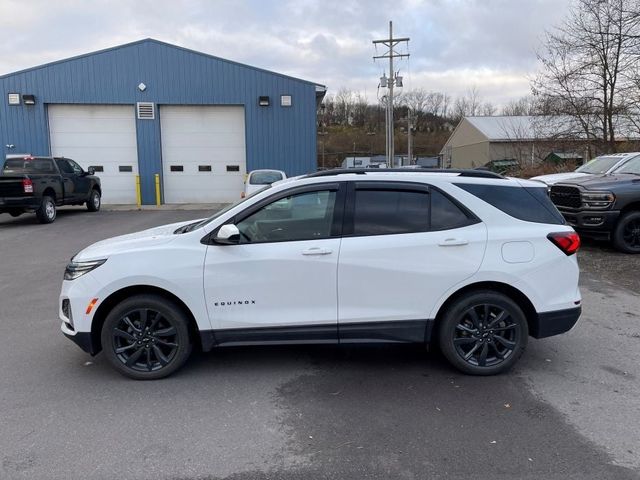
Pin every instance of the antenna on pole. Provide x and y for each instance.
(393, 79)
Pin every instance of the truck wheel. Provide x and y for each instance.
(15, 213)
(626, 236)
(93, 204)
(47, 211)
(146, 337)
(483, 333)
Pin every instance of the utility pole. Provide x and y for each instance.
(393, 79)
(410, 136)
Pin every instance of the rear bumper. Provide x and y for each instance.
(13, 203)
(592, 223)
(555, 322)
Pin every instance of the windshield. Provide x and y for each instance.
(30, 165)
(193, 226)
(632, 166)
(599, 165)
(264, 178)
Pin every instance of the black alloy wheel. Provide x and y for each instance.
(626, 236)
(483, 333)
(146, 337)
(144, 340)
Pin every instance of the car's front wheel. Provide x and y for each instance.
(483, 333)
(146, 337)
(94, 201)
(626, 236)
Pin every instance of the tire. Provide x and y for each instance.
(15, 213)
(135, 346)
(94, 201)
(464, 336)
(47, 211)
(626, 235)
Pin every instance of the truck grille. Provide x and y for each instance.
(563, 196)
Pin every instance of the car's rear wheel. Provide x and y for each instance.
(483, 333)
(146, 337)
(47, 211)
(94, 201)
(626, 236)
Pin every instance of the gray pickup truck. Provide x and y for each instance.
(40, 184)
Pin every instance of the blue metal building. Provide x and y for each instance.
(148, 108)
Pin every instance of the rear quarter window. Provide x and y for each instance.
(531, 204)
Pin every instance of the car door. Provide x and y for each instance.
(404, 245)
(81, 182)
(278, 282)
(68, 176)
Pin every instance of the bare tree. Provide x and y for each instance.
(521, 106)
(471, 104)
(587, 66)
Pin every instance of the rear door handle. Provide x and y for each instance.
(453, 242)
(316, 251)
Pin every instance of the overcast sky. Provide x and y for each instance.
(455, 44)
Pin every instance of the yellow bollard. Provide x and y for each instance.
(157, 189)
(138, 192)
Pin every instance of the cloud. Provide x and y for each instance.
(454, 43)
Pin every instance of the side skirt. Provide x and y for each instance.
(405, 331)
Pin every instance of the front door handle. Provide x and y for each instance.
(453, 242)
(316, 251)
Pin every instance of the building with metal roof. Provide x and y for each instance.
(149, 108)
(490, 140)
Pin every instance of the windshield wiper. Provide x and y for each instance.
(186, 228)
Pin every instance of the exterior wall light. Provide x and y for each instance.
(29, 99)
(263, 101)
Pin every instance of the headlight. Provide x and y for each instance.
(597, 200)
(77, 269)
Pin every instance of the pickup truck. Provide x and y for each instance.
(40, 184)
(604, 206)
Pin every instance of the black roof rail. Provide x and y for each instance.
(361, 171)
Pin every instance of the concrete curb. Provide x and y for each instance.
(213, 207)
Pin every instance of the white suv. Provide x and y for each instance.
(468, 259)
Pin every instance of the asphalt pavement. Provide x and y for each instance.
(569, 410)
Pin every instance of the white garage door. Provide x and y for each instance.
(99, 136)
(203, 153)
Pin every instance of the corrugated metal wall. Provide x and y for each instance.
(277, 137)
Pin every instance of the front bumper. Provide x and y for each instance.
(82, 339)
(592, 223)
(555, 322)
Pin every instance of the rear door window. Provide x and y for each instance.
(445, 214)
(386, 212)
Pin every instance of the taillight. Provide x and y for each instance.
(568, 242)
(27, 185)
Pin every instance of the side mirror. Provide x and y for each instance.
(91, 171)
(227, 235)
